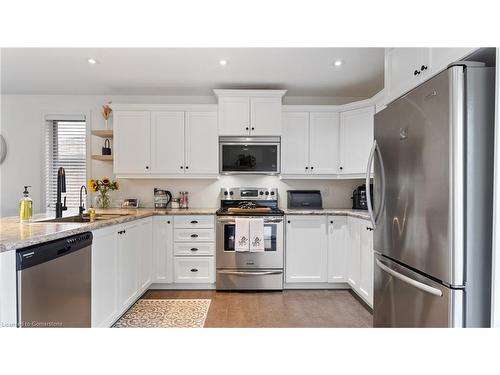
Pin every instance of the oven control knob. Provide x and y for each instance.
(272, 192)
(261, 192)
(267, 193)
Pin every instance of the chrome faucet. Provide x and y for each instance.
(61, 188)
(81, 208)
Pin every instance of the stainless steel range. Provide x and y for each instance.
(249, 270)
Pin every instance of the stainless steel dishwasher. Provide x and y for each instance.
(53, 283)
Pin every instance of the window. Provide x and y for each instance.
(65, 147)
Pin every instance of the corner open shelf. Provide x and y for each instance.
(103, 133)
(103, 157)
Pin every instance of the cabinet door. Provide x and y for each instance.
(128, 275)
(163, 241)
(401, 65)
(337, 249)
(440, 58)
(295, 143)
(202, 143)
(354, 239)
(366, 262)
(104, 277)
(131, 142)
(265, 116)
(145, 253)
(323, 142)
(306, 249)
(356, 140)
(167, 143)
(234, 115)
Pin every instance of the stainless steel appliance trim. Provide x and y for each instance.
(267, 141)
(408, 280)
(252, 273)
(457, 161)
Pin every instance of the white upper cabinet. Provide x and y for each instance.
(265, 116)
(356, 139)
(306, 249)
(295, 143)
(167, 142)
(201, 143)
(337, 249)
(234, 115)
(132, 142)
(323, 142)
(310, 143)
(406, 68)
(250, 112)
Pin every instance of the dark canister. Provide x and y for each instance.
(106, 150)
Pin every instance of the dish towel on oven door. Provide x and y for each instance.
(256, 235)
(242, 234)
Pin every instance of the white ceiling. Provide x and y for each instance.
(191, 71)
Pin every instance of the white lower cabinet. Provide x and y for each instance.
(104, 277)
(194, 269)
(354, 249)
(121, 268)
(306, 249)
(337, 249)
(163, 244)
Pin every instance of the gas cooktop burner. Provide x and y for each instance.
(249, 202)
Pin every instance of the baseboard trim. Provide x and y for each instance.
(362, 301)
(159, 286)
(316, 286)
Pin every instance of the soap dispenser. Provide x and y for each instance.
(25, 206)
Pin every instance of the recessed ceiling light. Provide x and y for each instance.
(223, 62)
(92, 61)
(338, 62)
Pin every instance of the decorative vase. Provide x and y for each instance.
(102, 200)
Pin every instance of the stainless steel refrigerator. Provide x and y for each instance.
(432, 202)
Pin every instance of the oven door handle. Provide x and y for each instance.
(266, 221)
(250, 273)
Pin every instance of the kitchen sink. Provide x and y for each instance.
(81, 219)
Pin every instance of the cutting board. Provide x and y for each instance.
(247, 210)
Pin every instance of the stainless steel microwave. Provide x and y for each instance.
(249, 155)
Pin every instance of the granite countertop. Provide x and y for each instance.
(360, 214)
(14, 235)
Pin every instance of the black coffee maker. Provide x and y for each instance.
(359, 197)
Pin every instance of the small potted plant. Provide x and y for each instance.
(102, 187)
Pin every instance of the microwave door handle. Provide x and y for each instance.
(417, 284)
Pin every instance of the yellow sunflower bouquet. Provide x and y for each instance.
(102, 187)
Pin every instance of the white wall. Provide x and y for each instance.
(22, 126)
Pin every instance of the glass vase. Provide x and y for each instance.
(102, 200)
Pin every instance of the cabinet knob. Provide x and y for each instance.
(341, 168)
(194, 249)
(416, 72)
(168, 222)
(288, 221)
(182, 167)
(147, 166)
(368, 228)
(253, 128)
(194, 235)
(423, 67)
(194, 221)
(331, 221)
(194, 270)
(187, 167)
(307, 167)
(312, 168)
(246, 128)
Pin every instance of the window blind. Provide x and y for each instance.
(65, 147)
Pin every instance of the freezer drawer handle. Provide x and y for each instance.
(246, 273)
(408, 280)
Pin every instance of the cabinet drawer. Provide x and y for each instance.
(194, 235)
(194, 249)
(194, 270)
(197, 221)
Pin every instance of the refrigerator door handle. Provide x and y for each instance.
(409, 280)
(374, 218)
